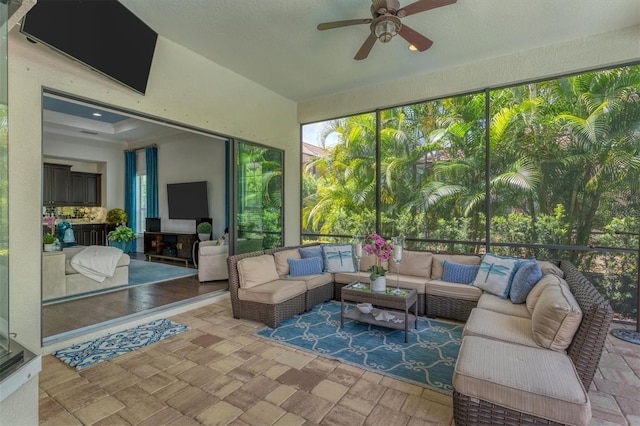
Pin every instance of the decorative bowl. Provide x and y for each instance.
(365, 308)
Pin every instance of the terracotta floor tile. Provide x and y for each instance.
(290, 419)
(294, 359)
(303, 380)
(309, 406)
(163, 417)
(393, 399)
(241, 399)
(263, 413)
(63, 419)
(99, 410)
(221, 413)
(367, 390)
(260, 386)
(80, 396)
(331, 391)
(357, 404)
(280, 394)
(48, 408)
(191, 401)
(112, 420)
(222, 386)
(343, 416)
(381, 416)
(198, 376)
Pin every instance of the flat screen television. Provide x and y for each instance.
(188, 200)
(102, 34)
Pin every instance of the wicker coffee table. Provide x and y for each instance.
(394, 304)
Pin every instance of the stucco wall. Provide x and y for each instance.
(587, 53)
(183, 87)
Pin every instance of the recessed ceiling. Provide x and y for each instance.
(276, 44)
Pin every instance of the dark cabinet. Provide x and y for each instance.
(90, 234)
(85, 189)
(169, 245)
(56, 184)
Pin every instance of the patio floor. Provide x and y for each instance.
(219, 373)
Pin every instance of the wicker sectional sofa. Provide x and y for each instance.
(529, 363)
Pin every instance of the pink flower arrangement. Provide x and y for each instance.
(51, 220)
(382, 250)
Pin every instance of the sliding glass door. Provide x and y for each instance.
(259, 197)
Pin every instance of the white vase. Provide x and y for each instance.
(204, 237)
(379, 284)
(50, 247)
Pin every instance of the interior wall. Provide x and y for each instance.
(596, 51)
(191, 158)
(183, 87)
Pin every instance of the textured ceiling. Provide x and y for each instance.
(276, 44)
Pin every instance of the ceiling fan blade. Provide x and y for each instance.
(365, 48)
(338, 24)
(413, 37)
(422, 6)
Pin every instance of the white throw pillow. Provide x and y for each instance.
(338, 258)
(495, 274)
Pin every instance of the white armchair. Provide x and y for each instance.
(212, 261)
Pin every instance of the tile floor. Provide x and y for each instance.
(219, 373)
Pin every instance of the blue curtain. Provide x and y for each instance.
(151, 155)
(130, 207)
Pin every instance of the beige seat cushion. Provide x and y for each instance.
(535, 381)
(555, 318)
(280, 257)
(496, 326)
(453, 290)
(407, 281)
(272, 292)
(312, 281)
(503, 306)
(416, 263)
(536, 291)
(257, 270)
(466, 259)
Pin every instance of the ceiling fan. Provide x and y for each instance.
(385, 23)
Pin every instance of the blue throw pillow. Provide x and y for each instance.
(314, 251)
(338, 258)
(459, 273)
(495, 274)
(526, 276)
(309, 266)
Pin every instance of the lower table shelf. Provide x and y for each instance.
(369, 318)
(162, 256)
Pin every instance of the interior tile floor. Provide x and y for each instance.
(218, 373)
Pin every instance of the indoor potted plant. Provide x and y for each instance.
(117, 216)
(204, 231)
(49, 241)
(121, 237)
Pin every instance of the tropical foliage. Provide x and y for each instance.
(554, 163)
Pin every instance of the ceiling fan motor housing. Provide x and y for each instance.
(385, 27)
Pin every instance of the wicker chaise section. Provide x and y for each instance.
(269, 314)
(585, 352)
(448, 307)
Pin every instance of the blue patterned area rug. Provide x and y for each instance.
(90, 353)
(428, 359)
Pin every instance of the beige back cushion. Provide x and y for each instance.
(280, 257)
(556, 318)
(437, 270)
(536, 291)
(416, 263)
(549, 268)
(368, 260)
(257, 270)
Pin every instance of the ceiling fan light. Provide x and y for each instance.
(413, 48)
(385, 30)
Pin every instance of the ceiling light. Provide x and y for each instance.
(413, 48)
(386, 28)
(97, 114)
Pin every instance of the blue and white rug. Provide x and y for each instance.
(90, 353)
(143, 272)
(428, 359)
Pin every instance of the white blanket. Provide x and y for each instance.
(96, 262)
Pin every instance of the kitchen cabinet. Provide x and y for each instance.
(56, 183)
(90, 234)
(85, 189)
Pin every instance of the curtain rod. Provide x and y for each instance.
(141, 148)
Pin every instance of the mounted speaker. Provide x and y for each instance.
(153, 224)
